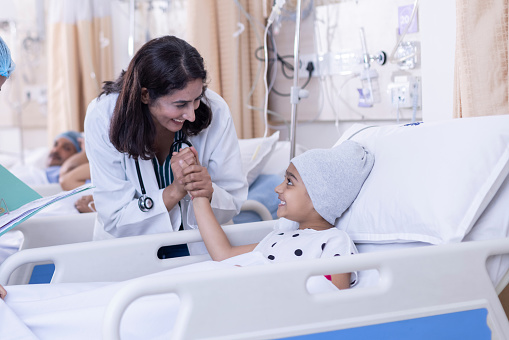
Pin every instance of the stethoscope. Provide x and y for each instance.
(145, 203)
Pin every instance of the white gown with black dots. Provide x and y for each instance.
(295, 245)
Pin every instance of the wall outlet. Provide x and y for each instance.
(306, 62)
(405, 92)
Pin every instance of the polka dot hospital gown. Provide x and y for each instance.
(295, 245)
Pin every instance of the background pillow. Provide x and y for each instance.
(430, 181)
(255, 153)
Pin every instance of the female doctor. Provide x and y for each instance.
(138, 130)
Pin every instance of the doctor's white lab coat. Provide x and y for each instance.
(117, 186)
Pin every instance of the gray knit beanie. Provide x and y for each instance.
(333, 177)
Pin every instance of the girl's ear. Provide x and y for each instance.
(145, 97)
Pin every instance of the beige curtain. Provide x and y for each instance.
(79, 60)
(481, 64)
(229, 58)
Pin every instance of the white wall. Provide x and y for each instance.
(438, 36)
(436, 33)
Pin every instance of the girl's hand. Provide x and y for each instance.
(197, 181)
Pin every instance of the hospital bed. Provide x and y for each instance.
(432, 285)
(401, 289)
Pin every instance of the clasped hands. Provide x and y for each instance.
(190, 176)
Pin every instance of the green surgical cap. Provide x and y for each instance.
(6, 63)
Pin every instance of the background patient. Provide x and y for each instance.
(65, 146)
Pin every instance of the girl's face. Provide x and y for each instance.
(171, 111)
(295, 202)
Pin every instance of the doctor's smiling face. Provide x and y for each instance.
(172, 110)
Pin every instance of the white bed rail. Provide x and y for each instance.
(55, 230)
(414, 283)
(48, 231)
(133, 256)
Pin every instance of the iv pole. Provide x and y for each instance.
(295, 90)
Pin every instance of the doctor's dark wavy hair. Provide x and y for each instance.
(163, 65)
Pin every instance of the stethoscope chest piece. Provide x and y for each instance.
(145, 203)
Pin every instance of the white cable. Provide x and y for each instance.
(258, 38)
(273, 15)
(253, 87)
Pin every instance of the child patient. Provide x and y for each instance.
(319, 186)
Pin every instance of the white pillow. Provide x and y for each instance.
(430, 181)
(279, 159)
(255, 153)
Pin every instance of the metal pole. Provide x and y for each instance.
(294, 97)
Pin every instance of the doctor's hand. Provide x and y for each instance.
(197, 181)
(182, 159)
(174, 192)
